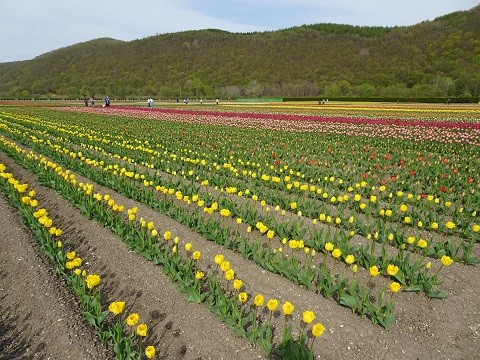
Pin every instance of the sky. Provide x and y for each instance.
(29, 28)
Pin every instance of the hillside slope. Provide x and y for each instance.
(433, 58)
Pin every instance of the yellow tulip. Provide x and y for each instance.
(272, 304)
(349, 259)
(308, 316)
(395, 287)
(142, 330)
(132, 319)
(225, 266)
(446, 260)
(225, 212)
(150, 352)
(237, 284)
(392, 270)
(242, 297)
(218, 258)
(450, 225)
(258, 301)
(317, 330)
(92, 280)
(288, 308)
(422, 243)
(374, 271)
(116, 307)
(229, 274)
(336, 253)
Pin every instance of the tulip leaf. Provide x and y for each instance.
(437, 294)
(413, 288)
(349, 301)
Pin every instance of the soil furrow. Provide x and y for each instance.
(39, 317)
(178, 329)
(421, 329)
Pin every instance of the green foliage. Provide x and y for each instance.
(434, 58)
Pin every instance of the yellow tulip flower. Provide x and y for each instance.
(318, 329)
(308, 316)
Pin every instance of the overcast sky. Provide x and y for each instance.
(29, 28)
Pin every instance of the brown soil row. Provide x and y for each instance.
(448, 329)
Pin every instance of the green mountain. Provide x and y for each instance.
(432, 58)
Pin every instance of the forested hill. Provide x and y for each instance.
(432, 58)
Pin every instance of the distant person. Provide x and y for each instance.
(217, 101)
(107, 101)
(148, 102)
(151, 102)
(85, 100)
(93, 101)
(201, 101)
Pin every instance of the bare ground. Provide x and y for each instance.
(425, 329)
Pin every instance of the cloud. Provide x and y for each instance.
(31, 27)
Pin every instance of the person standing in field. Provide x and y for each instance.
(85, 100)
(93, 101)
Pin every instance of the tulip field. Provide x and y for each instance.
(280, 231)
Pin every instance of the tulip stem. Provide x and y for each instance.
(436, 273)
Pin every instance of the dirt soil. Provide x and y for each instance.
(40, 318)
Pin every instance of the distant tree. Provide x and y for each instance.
(443, 86)
(254, 89)
(341, 60)
(366, 90)
(230, 92)
(332, 90)
(195, 87)
(421, 90)
(399, 90)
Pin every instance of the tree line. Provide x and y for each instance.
(439, 58)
